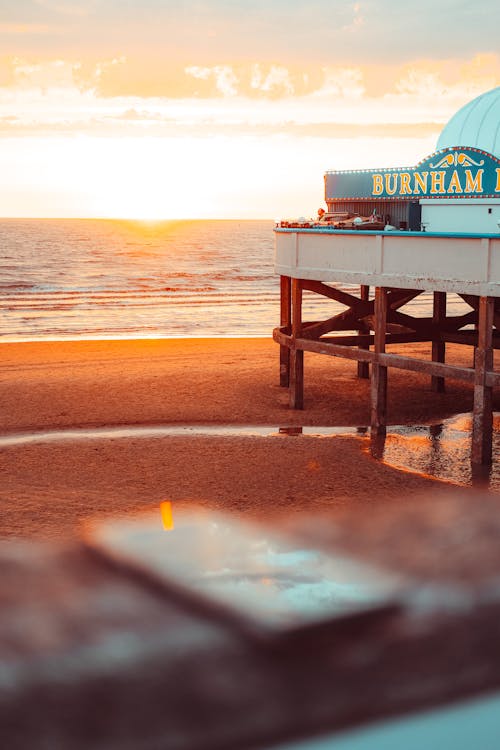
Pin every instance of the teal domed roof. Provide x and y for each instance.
(477, 125)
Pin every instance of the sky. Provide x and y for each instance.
(225, 109)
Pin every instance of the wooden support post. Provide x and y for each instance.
(476, 328)
(438, 347)
(296, 356)
(363, 367)
(482, 415)
(378, 383)
(285, 321)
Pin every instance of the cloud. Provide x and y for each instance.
(253, 99)
(278, 65)
(12, 29)
(135, 123)
(226, 81)
(121, 76)
(250, 80)
(358, 19)
(199, 72)
(341, 82)
(40, 76)
(276, 80)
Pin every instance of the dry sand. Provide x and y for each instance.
(49, 488)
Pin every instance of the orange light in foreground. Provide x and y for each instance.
(167, 515)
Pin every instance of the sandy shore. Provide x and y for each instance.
(49, 488)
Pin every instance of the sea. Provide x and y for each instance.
(116, 279)
(95, 279)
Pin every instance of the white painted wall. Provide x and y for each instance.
(408, 260)
(469, 216)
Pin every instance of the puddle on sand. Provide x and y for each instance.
(148, 431)
(440, 450)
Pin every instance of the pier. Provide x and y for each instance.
(391, 269)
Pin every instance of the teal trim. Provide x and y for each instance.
(391, 233)
(469, 725)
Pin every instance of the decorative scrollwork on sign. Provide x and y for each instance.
(457, 159)
(446, 161)
(467, 161)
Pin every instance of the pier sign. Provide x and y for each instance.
(450, 173)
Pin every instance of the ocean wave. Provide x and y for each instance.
(21, 285)
(191, 290)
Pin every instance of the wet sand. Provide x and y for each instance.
(49, 489)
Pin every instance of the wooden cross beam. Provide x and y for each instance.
(360, 312)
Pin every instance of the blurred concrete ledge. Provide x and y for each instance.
(95, 654)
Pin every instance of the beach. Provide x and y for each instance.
(50, 488)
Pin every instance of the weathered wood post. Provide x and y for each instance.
(296, 356)
(363, 367)
(482, 415)
(285, 321)
(438, 346)
(476, 329)
(378, 383)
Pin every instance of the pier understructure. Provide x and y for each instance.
(390, 269)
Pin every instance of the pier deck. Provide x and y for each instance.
(399, 266)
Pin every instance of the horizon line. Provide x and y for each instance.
(135, 218)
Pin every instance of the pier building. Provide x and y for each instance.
(441, 234)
